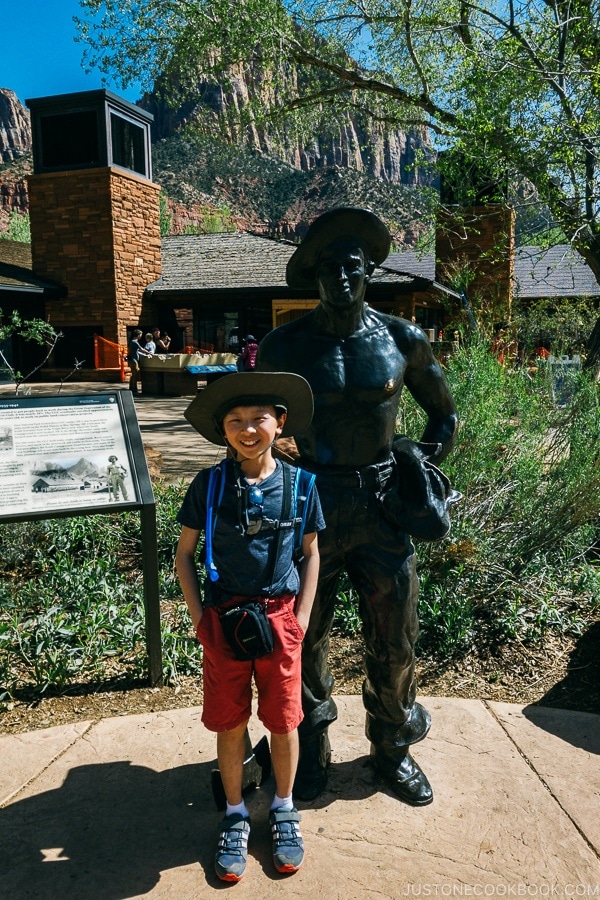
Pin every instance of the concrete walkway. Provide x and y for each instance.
(122, 808)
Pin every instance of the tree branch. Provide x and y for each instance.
(354, 80)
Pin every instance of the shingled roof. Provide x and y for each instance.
(235, 261)
(16, 273)
(408, 262)
(557, 272)
(212, 262)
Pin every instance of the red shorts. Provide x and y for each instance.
(228, 681)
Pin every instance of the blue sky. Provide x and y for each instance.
(39, 56)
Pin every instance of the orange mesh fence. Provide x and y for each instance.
(108, 355)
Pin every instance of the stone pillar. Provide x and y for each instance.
(479, 241)
(97, 232)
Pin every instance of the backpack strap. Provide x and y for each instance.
(216, 482)
(294, 495)
(286, 508)
(303, 485)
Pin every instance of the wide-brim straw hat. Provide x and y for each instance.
(292, 392)
(343, 222)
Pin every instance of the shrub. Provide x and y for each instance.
(71, 607)
(518, 558)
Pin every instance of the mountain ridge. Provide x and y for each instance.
(212, 185)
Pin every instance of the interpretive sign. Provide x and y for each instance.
(59, 453)
(80, 454)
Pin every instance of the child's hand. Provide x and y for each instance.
(303, 622)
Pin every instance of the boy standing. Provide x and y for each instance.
(250, 555)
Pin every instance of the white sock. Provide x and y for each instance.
(284, 803)
(240, 808)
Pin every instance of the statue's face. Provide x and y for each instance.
(342, 276)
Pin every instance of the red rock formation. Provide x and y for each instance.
(15, 127)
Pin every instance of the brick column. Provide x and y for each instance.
(97, 232)
(480, 239)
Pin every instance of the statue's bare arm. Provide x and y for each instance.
(425, 380)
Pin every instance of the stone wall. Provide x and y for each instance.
(97, 232)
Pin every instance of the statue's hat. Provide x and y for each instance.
(284, 389)
(344, 222)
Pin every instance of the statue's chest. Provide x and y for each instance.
(368, 368)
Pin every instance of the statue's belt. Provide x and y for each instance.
(376, 475)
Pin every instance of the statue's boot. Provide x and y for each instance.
(311, 775)
(403, 776)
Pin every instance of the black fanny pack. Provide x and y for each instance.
(247, 629)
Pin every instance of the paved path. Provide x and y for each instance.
(165, 429)
(121, 808)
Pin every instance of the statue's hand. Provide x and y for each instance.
(417, 501)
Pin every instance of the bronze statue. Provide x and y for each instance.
(376, 488)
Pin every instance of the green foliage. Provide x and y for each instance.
(29, 329)
(18, 228)
(261, 185)
(514, 88)
(191, 166)
(347, 619)
(35, 330)
(523, 534)
(565, 324)
(211, 221)
(71, 601)
(521, 558)
(165, 217)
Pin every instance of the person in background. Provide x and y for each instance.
(161, 340)
(134, 351)
(150, 346)
(249, 353)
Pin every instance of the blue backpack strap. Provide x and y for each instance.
(216, 479)
(303, 485)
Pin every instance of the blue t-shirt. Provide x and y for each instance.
(246, 563)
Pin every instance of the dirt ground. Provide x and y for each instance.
(563, 673)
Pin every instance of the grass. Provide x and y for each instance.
(522, 557)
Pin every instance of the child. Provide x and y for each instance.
(249, 550)
(150, 346)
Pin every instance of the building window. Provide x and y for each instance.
(128, 144)
(69, 139)
(89, 129)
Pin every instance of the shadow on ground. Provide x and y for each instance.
(110, 830)
(578, 690)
